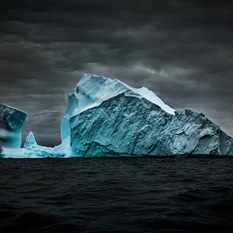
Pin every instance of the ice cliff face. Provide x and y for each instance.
(107, 117)
(92, 90)
(11, 123)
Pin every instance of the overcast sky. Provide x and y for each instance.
(181, 50)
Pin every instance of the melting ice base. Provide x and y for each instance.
(33, 150)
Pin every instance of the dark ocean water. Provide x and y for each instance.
(116, 195)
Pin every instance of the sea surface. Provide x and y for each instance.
(116, 195)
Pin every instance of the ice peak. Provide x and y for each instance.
(30, 141)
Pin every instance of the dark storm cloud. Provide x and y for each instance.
(180, 49)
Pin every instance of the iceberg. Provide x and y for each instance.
(92, 90)
(106, 117)
(11, 123)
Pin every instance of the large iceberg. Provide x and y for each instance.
(11, 123)
(108, 117)
(92, 90)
